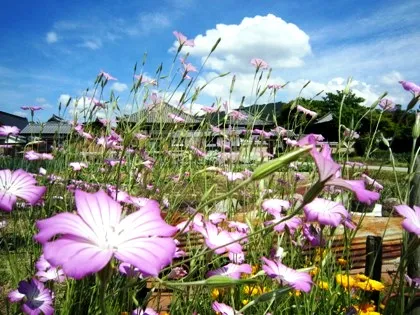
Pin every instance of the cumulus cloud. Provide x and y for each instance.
(281, 44)
(391, 78)
(119, 87)
(51, 37)
(21, 114)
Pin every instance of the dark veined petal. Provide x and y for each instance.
(76, 257)
(149, 255)
(64, 223)
(98, 210)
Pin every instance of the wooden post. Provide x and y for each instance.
(413, 267)
(373, 266)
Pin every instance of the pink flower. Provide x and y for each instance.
(274, 86)
(37, 297)
(292, 224)
(208, 109)
(237, 115)
(298, 280)
(291, 142)
(18, 184)
(411, 222)
(218, 239)
(351, 133)
(77, 166)
(232, 176)
(259, 63)
(46, 272)
(410, 86)
(223, 309)
(145, 80)
(217, 217)
(176, 118)
(177, 273)
(147, 311)
(198, 152)
(372, 182)
(89, 239)
(31, 108)
(107, 76)
(231, 270)
(305, 111)
(275, 206)
(387, 104)
(182, 39)
(32, 156)
(9, 131)
(325, 212)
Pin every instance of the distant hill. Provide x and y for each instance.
(265, 112)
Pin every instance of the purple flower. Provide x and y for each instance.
(31, 108)
(326, 212)
(177, 273)
(373, 182)
(313, 235)
(387, 104)
(107, 76)
(176, 118)
(46, 272)
(37, 298)
(18, 184)
(306, 111)
(231, 270)
(198, 152)
(275, 206)
(90, 238)
(218, 239)
(182, 39)
(77, 166)
(9, 130)
(350, 133)
(224, 309)
(147, 311)
(412, 218)
(259, 63)
(410, 86)
(131, 271)
(292, 223)
(217, 217)
(329, 174)
(298, 280)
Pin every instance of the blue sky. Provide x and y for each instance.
(52, 50)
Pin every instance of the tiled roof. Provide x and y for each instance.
(159, 114)
(12, 120)
(249, 120)
(47, 128)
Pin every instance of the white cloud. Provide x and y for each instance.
(92, 44)
(119, 87)
(281, 44)
(391, 78)
(40, 100)
(51, 37)
(21, 114)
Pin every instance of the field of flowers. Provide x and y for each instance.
(137, 227)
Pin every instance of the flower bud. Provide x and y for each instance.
(272, 166)
(416, 127)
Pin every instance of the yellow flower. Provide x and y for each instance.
(245, 302)
(252, 290)
(254, 269)
(215, 294)
(346, 281)
(361, 277)
(366, 309)
(314, 271)
(323, 285)
(342, 262)
(370, 285)
(295, 293)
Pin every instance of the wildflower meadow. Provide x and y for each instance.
(141, 216)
